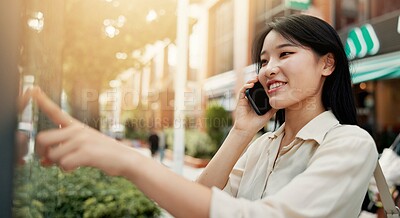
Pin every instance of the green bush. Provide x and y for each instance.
(218, 122)
(133, 130)
(86, 192)
(197, 144)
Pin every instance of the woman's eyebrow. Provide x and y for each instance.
(279, 47)
(285, 45)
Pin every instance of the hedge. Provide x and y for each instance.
(41, 192)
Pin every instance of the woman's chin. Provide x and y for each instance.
(277, 104)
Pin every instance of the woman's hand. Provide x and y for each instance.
(75, 144)
(247, 124)
(246, 118)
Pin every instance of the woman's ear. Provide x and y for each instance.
(329, 64)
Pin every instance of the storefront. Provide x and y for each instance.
(374, 48)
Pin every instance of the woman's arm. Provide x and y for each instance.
(247, 124)
(217, 171)
(74, 145)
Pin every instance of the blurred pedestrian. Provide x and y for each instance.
(153, 142)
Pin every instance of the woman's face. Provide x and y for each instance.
(292, 75)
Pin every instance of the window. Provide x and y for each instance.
(346, 13)
(266, 11)
(221, 36)
(381, 7)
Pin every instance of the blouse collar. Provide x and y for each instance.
(315, 129)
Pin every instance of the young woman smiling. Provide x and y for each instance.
(316, 164)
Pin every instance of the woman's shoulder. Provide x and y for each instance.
(341, 130)
(349, 139)
(352, 135)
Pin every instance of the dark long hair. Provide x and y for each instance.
(312, 32)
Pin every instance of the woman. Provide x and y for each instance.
(317, 164)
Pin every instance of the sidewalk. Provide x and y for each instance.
(189, 172)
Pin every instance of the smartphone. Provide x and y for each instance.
(258, 99)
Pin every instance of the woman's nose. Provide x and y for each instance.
(270, 71)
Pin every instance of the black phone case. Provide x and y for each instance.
(258, 99)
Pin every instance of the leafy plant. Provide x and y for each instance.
(197, 144)
(134, 129)
(218, 122)
(86, 192)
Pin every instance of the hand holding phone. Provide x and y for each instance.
(258, 99)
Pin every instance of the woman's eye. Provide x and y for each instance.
(283, 54)
(264, 63)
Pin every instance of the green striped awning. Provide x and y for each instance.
(380, 67)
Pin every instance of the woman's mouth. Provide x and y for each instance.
(275, 85)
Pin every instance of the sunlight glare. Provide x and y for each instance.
(36, 22)
(151, 16)
(121, 55)
(121, 21)
(111, 31)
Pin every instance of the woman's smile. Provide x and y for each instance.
(273, 86)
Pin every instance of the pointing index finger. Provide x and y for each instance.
(52, 110)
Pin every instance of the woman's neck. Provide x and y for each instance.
(296, 119)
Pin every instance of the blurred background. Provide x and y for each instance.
(128, 67)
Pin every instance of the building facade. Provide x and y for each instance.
(230, 27)
(219, 63)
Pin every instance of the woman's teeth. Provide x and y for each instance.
(276, 85)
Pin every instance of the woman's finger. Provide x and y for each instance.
(253, 80)
(56, 153)
(247, 86)
(52, 110)
(270, 113)
(48, 138)
(244, 88)
(71, 161)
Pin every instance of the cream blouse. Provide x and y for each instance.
(324, 172)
